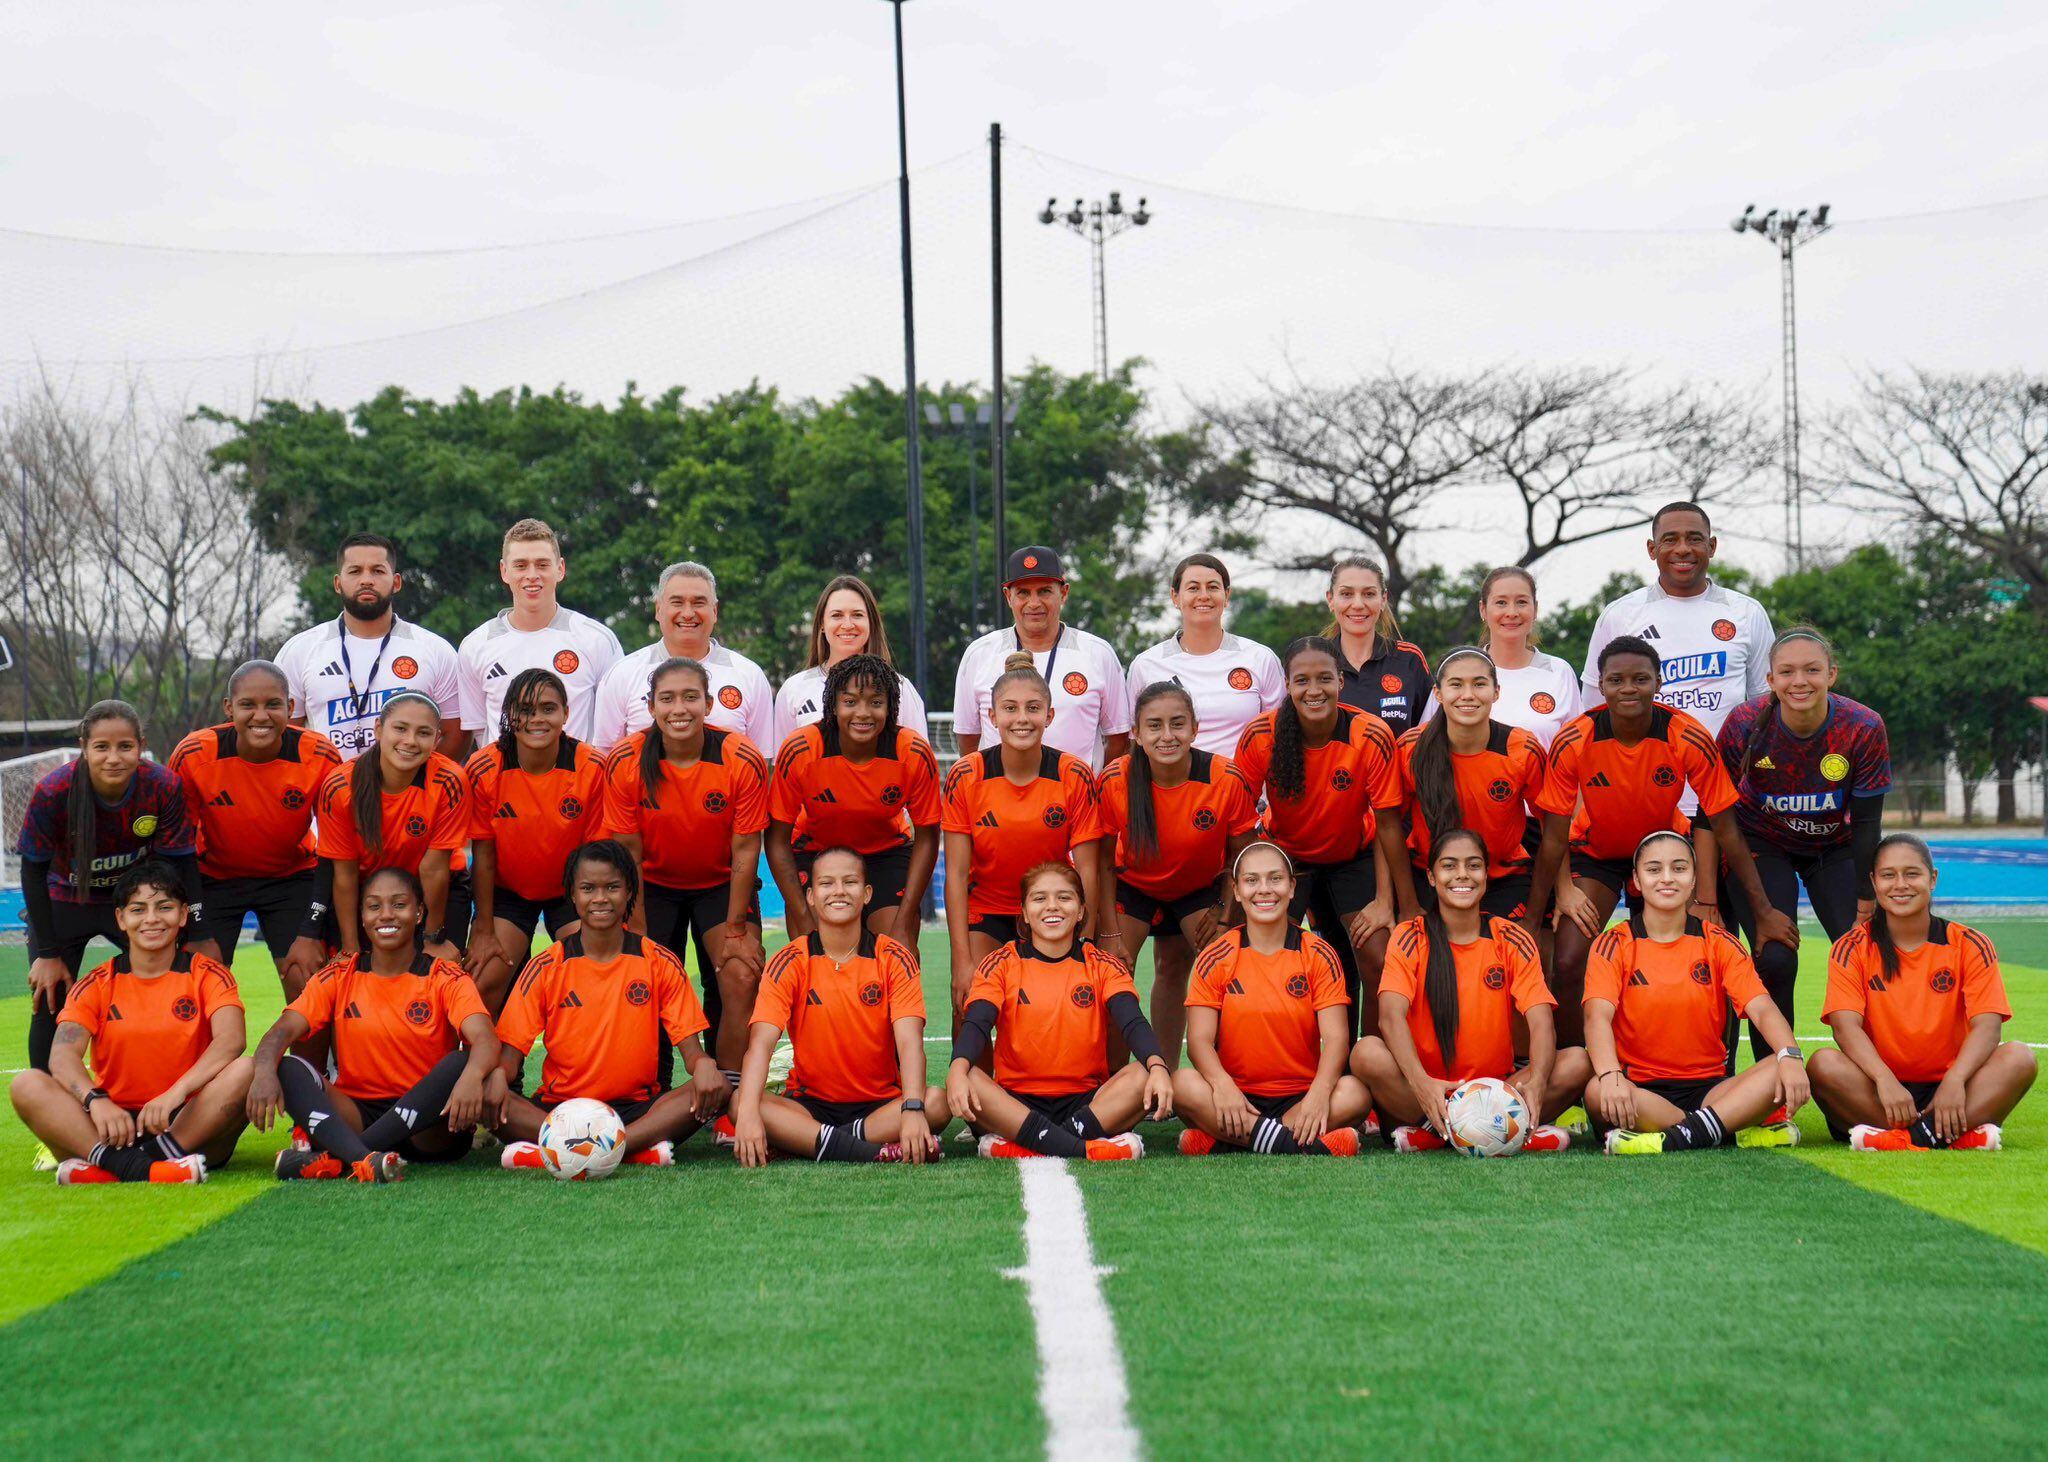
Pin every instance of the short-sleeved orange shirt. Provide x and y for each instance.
(1347, 782)
(146, 1033)
(830, 802)
(1052, 1016)
(1016, 828)
(1500, 974)
(1632, 791)
(428, 814)
(1496, 788)
(686, 829)
(1671, 1000)
(389, 1030)
(535, 823)
(255, 818)
(1918, 1017)
(1194, 821)
(601, 1022)
(1267, 1035)
(841, 1018)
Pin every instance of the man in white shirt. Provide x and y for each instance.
(686, 612)
(1091, 708)
(1715, 642)
(342, 671)
(536, 632)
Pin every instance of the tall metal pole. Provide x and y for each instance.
(24, 606)
(1097, 265)
(995, 247)
(1795, 507)
(912, 463)
(973, 531)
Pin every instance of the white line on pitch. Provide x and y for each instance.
(1080, 1370)
(1830, 1040)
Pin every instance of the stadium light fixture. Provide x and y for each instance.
(1098, 223)
(1788, 232)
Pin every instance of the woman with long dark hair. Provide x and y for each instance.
(845, 621)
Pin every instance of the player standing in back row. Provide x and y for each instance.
(686, 612)
(1383, 675)
(1091, 709)
(536, 633)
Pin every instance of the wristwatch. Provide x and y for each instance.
(912, 1104)
(435, 936)
(92, 1096)
(1791, 1053)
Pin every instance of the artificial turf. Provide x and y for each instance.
(1822, 1301)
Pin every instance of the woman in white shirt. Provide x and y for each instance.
(1229, 679)
(845, 622)
(1538, 692)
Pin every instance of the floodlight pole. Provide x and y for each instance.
(1788, 232)
(913, 465)
(998, 476)
(1098, 223)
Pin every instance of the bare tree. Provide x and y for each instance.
(1965, 456)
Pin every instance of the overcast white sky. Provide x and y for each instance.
(423, 127)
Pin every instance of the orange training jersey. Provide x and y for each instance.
(146, 1033)
(1015, 828)
(1052, 1016)
(601, 1023)
(426, 815)
(1917, 1018)
(1267, 1035)
(1499, 975)
(535, 823)
(389, 1030)
(1347, 782)
(686, 829)
(834, 803)
(1632, 791)
(1496, 788)
(841, 1018)
(255, 819)
(1194, 821)
(1671, 1000)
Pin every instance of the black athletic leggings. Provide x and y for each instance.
(1830, 880)
(73, 926)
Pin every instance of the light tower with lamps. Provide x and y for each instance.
(1789, 231)
(1098, 223)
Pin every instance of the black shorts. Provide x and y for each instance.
(1687, 1096)
(1922, 1093)
(888, 875)
(526, 914)
(461, 908)
(1506, 897)
(1162, 916)
(1346, 887)
(1059, 1110)
(629, 1112)
(1275, 1107)
(77, 925)
(839, 1114)
(456, 1150)
(675, 916)
(1002, 928)
(279, 905)
(1613, 872)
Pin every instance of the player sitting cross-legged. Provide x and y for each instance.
(853, 1007)
(600, 1002)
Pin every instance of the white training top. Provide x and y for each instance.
(740, 698)
(1715, 645)
(574, 646)
(339, 680)
(800, 703)
(1089, 700)
(1542, 697)
(1231, 686)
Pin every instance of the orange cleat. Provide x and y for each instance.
(522, 1155)
(723, 1133)
(1985, 1138)
(993, 1145)
(191, 1168)
(75, 1170)
(1548, 1139)
(1776, 1115)
(661, 1155)
(1418, 1139)
(378, 1167)
(301, 1139)
(293, 1163)
(1194, 1142)
(1341, 1141)
(1864, 1138)
(1124, 1147)
(1370, 1127)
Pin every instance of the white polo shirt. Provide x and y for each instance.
(340, 680)
(800, 703)
(1542, 697)
(1089, 698)
(574, 646)
(741, 699)
(1231, 685)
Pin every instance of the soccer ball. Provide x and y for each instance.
(1487, 1118)
(582, 1140)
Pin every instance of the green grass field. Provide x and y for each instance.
(1819, 1301)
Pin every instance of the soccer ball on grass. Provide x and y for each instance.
(582, 1140)
(1487, 1118)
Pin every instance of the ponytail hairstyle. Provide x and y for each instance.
(1762, 725)
(1881, 921)
(1143, 830)
(1384, 627)
(522, 698)
(413, 886)
(80, 804)
(1052, 868)
(366, 777)
(1436, 782)
(651, 744)
(1506, 571)
(878, 638)
(1440, 971)
(1019, 666)
(1289, 770)
(861, 672)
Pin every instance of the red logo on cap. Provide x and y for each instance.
(1030, 560)
(729, 696)
(1543, 703)
(1724, 629)
(405, 667)
(566, 662)
(1240, 679)
(1075, 683)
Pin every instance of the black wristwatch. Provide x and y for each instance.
(435, 936)
(92, 1096)
(912, 1104)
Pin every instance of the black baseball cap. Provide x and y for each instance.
(1034, 562)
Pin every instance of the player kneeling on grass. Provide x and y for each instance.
(1917, 1005)
(1048, 1000)
(404, 1089)
(1658, 991)
(1455, 979)
(854, 1009)
(1269, 1029)
(600, 1001)
(161, 1029)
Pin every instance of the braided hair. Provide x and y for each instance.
(1289, 770)
(1143, 829)
(1440, 968)
(652, 747)
(81, 805)
(861, 672)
